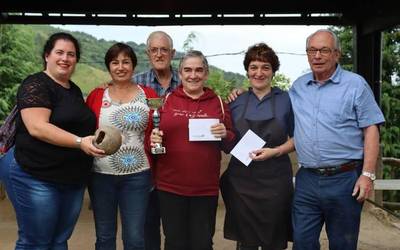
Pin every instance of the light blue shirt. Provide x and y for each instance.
(329, 118)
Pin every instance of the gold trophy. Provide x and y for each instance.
(155, 104)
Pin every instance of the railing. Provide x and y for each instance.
(386, 184)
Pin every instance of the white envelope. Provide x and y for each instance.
(200, 129)
(249, 142)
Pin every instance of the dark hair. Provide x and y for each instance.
(261, 52)
(115, 50)
(50, 43)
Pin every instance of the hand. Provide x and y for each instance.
(263, 154)
(218, 130)
(88, 147)
(156, 137)
(234, 94)
(363, 188)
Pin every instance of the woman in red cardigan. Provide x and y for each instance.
(122, 180)
(187, 176)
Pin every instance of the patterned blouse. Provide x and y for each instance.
(131, 118)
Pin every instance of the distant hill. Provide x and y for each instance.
(91, 70)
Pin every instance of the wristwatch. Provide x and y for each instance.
(78, 141)
(369, 175)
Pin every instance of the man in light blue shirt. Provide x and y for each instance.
(336, 138)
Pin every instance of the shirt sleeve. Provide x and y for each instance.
(33, 92)
(367, 110)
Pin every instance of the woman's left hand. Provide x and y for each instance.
(264, 154)
(218, 130)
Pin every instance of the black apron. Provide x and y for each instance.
(258, 197)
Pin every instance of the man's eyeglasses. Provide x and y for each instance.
(155, 51)
(323, 51)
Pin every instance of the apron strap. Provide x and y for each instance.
(222, 108)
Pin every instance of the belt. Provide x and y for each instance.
(332, 170)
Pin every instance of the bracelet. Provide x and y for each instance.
(78, 141)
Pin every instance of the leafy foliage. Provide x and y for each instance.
(16, 62)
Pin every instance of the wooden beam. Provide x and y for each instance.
(171, 19)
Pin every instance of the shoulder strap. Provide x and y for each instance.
(222, 107)
(166, 96)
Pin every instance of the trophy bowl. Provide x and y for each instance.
(155, 103)
(108, 139)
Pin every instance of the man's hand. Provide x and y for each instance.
(234, 94)
(363, 188)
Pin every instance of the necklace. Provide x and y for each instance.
(123, 94)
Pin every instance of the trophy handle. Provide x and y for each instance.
(156, 118)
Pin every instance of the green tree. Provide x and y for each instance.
(188, 43)
(16, 62)
(217, 82)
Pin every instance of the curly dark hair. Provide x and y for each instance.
(261, 52)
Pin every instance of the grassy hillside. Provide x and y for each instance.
(91, 70)
(88, 77)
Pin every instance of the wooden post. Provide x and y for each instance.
(378, 194)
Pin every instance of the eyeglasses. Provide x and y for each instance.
(323, 51)
(155, 51)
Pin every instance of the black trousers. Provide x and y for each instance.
(152, 232)
(240, 246)
(188, 221)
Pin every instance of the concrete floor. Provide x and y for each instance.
(83, 237)
(378, 230)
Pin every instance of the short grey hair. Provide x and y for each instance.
(159, 33)
(191, 54)
(334, 36)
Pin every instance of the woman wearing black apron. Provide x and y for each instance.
(258, 197)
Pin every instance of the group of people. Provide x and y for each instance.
(329, 116)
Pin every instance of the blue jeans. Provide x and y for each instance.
(46, 212)
(129, 193)
(325, 199)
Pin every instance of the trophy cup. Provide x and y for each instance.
(155, 104)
